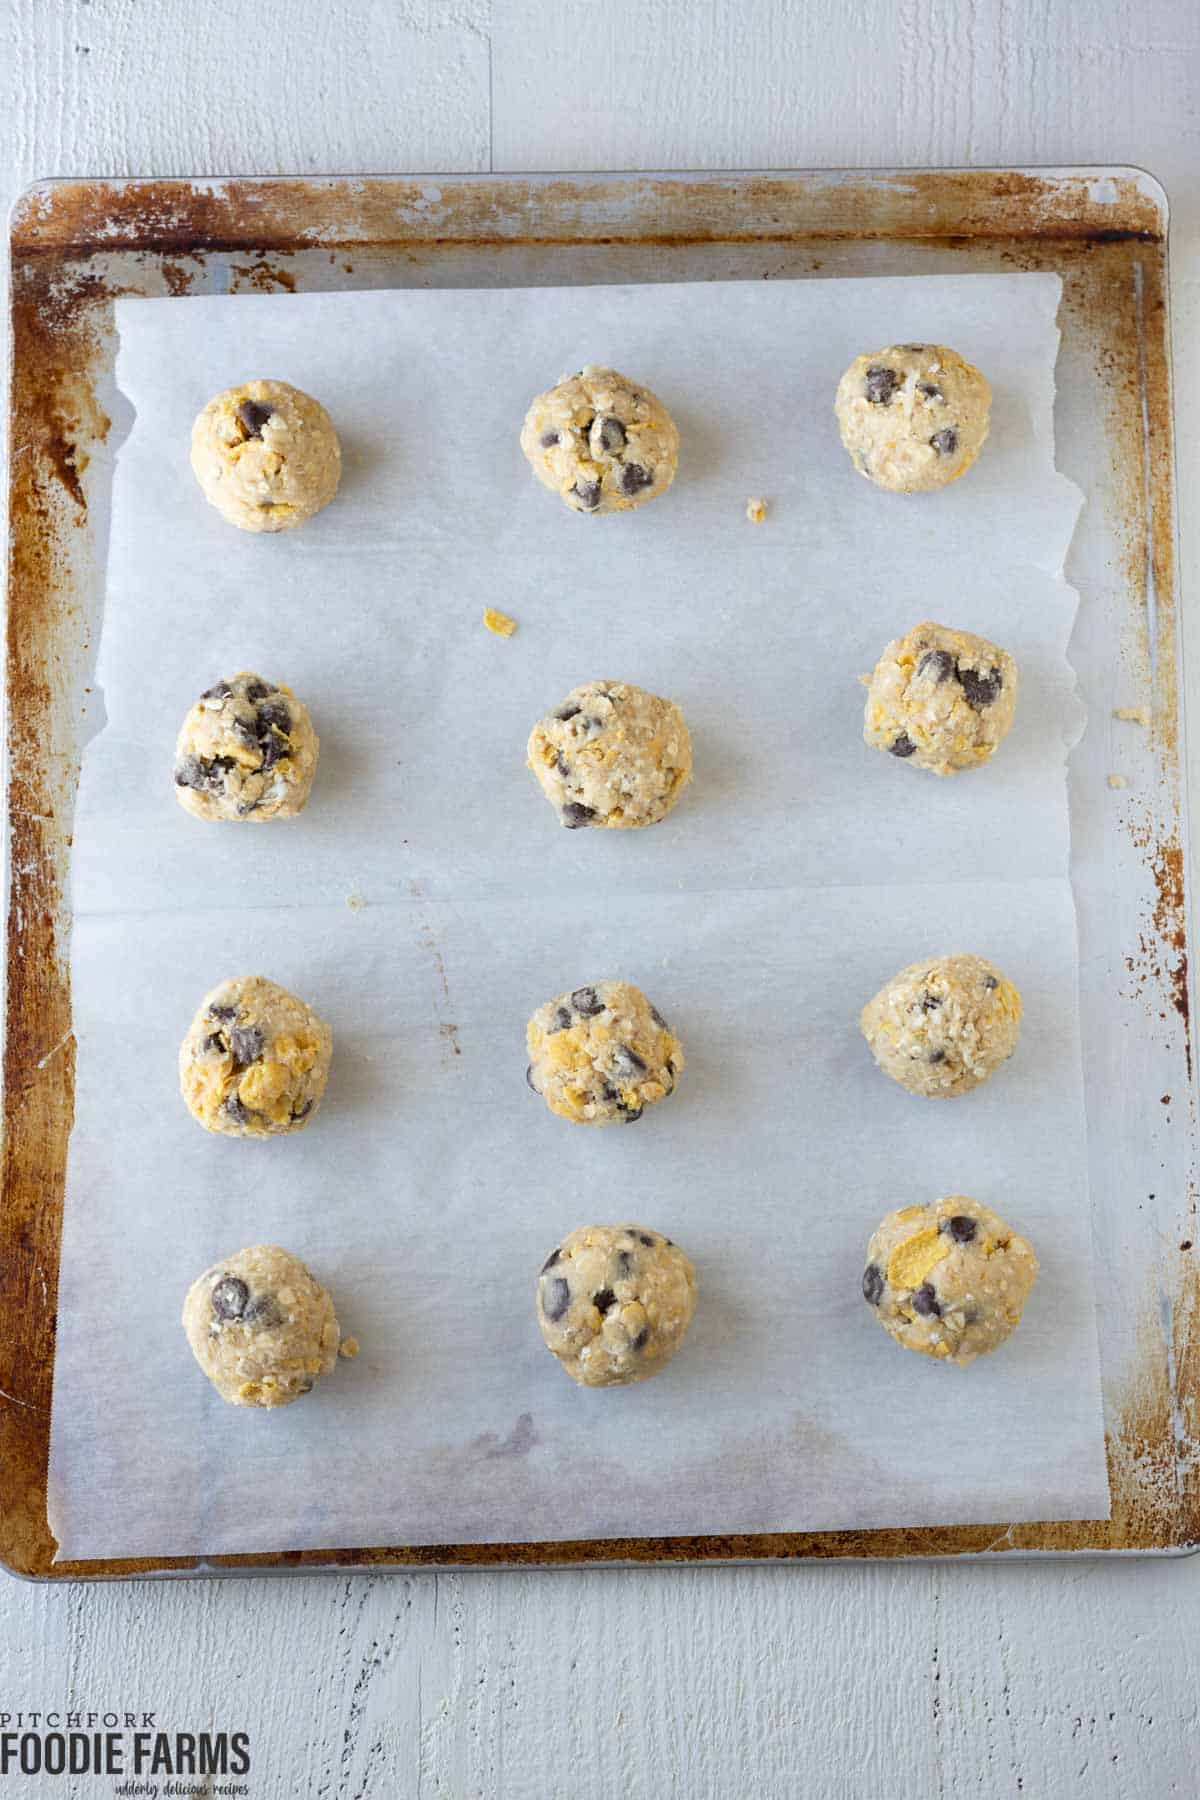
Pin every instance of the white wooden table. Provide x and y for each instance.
(1042, 1678)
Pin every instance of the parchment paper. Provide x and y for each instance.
(799, 872)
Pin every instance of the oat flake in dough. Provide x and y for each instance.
(255, 1060)
(247, 750)
(940, 699)
(603, 443)
(949, 1280)
(601, 1054)
(266, 455)
(614, 1303)
(611, 755)
(262, 1327)
(913, 416)
(943, 1026)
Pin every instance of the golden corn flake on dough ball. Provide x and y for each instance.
(602, 1054)
(266, 455)
(611, 755)
(262, 1327)
(943, 1026)
(603, 443)
(247, 750)
(949, 1280)
(940, 699)
(255, 1060)
(913, 416)
(614, 1303)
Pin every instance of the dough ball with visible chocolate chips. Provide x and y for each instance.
(602, 1054)
(247, 750)
(255, 1060)
(913, 416)
(262, 1327)
(950, 1280)
(611, 755)
(266, 455)
(614, 1303)
(941, 700)
(943, 1026)
(601, 442)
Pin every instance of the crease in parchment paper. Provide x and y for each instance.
(797, 874)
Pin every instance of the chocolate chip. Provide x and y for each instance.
(588, 494)
(640, 1341)
(936, 1056)
(224, 1013)
(625, 1261)
(634, 478)
(214, 1044)
(930, 1002)
(610, 1093)
(872, 1284)
(189, 773)
(229, 1297)
(658, 1019)
(945, 442)
(587, 1001)
(548, 440)
(234, 1107)
(611, 434)
(980, 690)
(901, 746)
(936, 665)
(575, 814)
(552, 1259)
(219, 691)
(567, 712)
(646, 1238)
(256, 690)
(630, 1114)
(627, 1062)
(274, 714)
(562, 1019)
(302, 1112)
(272, 749)
(990, 982)
(253, 417)
(562, 766)
(556, 1299)
(930, 390)
(529, 1079)
(604, 1299)
(245, 729)
(246, 1042)
(881, 383)
(924, 1302)
(962, 1229)
(263, 1312)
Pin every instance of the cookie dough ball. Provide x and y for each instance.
(913, 416)
(602, 442)
(255, 1060)
(949, 1280)
(266, 455)
(602, 1054)
(614, 1303)
(261, 1327)
(611, 754)
(941, 700)
(247, 750)
(942, 1027)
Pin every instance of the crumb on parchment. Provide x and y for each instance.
(355, 901)
(1133, 715)
(498, 622)
(756, 509)
(1117, 781)
(348, 1347)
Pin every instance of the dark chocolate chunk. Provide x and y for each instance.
(588, 494)
(658, 1019)
(634, 478)
(924, 1302)
(302, 1111)
(915, 348)
(641, 1340)
(625, 1261)
(610, 1093)
(936, 1056)
(880, 383)
(990, 982)
(229, 1297)
(189, 772)
(556, 1298)
(274, 713)
(562, 1019)
(220, 690)
(980, 690)
(256, 690)
(872, 1284)
(587, 1001)
(945, 442)
(930, 1002)
(529, 1079)
(604, 1299)
(246, 1042)
(552, 1259)
(569, 711)
(930, 390)
(936, 665)
(244, 729)
(630, 1114)
(612, 435)
(237, 1111)
(214, 1044)
(224, 1013)
(253, 417)
(627, 1063)
(562, 766)
(901, 746)
(272, 748)
(962, 1228)
(647, 1238)
(263, 1312)
(575, 814)
(548, 440)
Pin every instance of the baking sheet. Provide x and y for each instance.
(800, 872)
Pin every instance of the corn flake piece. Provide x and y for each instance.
(498, 622)
(756, 510)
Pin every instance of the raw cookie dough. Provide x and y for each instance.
(949, 1280)
(255, 1060)
(602, 1054)
(266, 455)
(611, 754)
(261, 1327)
(247, 750)
(614, 1303)
(602, 442)
(940, 699)
(943, 1026)
(913, 416)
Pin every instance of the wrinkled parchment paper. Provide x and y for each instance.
(799, 872)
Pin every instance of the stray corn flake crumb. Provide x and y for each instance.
(498, 622)
(1133, 715)
(348, 1347)
(355, 901)
(756, 509)
(1117, 781)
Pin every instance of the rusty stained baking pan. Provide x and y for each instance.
(77, 245)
